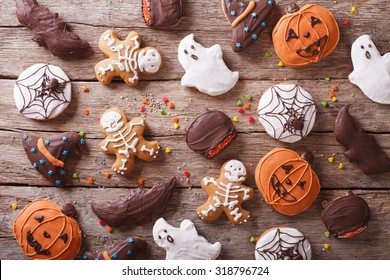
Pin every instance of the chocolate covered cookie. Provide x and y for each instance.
(162, 13)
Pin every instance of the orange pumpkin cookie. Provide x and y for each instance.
(287, 181)
(47, 232)
(305, 35)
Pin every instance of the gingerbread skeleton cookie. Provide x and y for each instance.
(226, 194)
(126, 59)
(125, 140)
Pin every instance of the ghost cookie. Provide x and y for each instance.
(346, 216)
(126, 59)
(42, 92)
(305, 35)
(360, 147)
(282, 243)
(371, 71)
(226, 194)
(286, 181)
(128, 249)
(49, 155)
(248, 20)
(205, 68)
(125, 140)
(287, 112)
(184, 243)
(162, 13)
(47, 232)
(210, 133)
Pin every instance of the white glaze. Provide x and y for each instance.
(276, 105)
(235, 171)
(208, 73)
(371, 74)
(186, 243)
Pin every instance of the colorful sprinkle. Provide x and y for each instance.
(240, 110)
(248, 96)
(85, 89)
(330, 159)
(327, 233)
(171, 105)
(142, 109)
(64, 138)
(175, 119)
(341, 166)
(247, 106)
(187, 174)
(107, 175)
(232, 13)
(82, 133)
(246, 29)
(90, 180)
(41, 161)
(324, 104)
(130, 240)
(47, 142)
(140, 181)
(254, 15)
(353, 10)
(82, 141)
(242, 4)
(50, 172)
(326, 246)
(327, 79)
(267, 54)
(346, 22)
(235, 119)
(165, 100)
(239, 103)
(85, 257)
(35, 165)
(86, 112)
(129, 252)
(335, 88)
(331, 94)
(33, 150)
(167, 150)
(254, 37)
(58, 182)
(65, 153)
(334, 99)
(162, 112)
(280, 64)
(144, 101)
(238, 45)
(63, 172)
(176, 125)
(14, 206)
(263, 24)
(109, 229)
(250, 119)
(25, 137)
(252, 239)
(101, 223)
(270, 2)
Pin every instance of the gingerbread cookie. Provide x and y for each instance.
(305, 35)
(162, 13)
(51, 31)
(46, 232)
(282, 243)
(126, 59)
(129, 249)
(42, 92)
(210, 133)
(248, 20)
(226, 194)
(184, 243)
(346, 216)
(287, 181)
(371, 71)
(137, 206)
(287, 112)
(49, 155)
(360, 147)
(125, 140)
(205, 68)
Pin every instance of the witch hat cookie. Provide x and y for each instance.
(248, 20)
(48, 156)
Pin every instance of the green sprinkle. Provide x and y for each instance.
(252, 239)
(248, 96)
(327, 233)
(324, 103)
(267, 54)
(82, 133)
(327, 79)
(162, 112)
(239, 103)
(75, 176)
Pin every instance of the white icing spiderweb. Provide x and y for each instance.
(37, 96)
(291, 105)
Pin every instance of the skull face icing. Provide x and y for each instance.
(371, 71)
(205, 68)
(236, 171)
(149, 61)
(110, 121)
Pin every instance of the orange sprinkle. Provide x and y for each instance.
(331, 94)
(90, 180)
(175, 120)
(107, 175)
(109, 229)
(247, 106)
(171, 105)
(335, 88)
(140, 181)
(85, 89)
(86, 112)
(144, 101)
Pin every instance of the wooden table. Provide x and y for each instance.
(20, 183)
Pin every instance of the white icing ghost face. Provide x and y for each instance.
(149, 61)
(236, 171)
(110, 121)
(364, 51)
(193, 52)
(164, 234)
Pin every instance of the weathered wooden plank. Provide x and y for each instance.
(188, 104)
(249, 148)
(372, 244)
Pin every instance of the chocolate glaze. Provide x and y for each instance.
(58, 148)
(360, 147)
(128, 249)
(137, 206)
(256, 21)
(208, 130)
(51, 31)
(345, 215)
(164, 13)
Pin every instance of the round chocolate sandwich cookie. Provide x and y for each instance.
(210, 133)
(42, 92)
(162, 13)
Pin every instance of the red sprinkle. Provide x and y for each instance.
(101, 223)
(346, 22)
(142, 109)
(165, 100)
(240, 110)
(187, 174)
(250, 119)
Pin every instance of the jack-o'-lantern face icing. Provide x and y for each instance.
(286, 181)
(305, 35)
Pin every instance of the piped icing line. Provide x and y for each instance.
(248, 9)
(42, 148)
(106, 256)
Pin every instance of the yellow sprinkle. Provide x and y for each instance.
(326, 246)
(354, 10)
(167, 150)
(176, 125)
(235, 119)
(14, 206)
(280, 64)
(334, 99)
(341, 166)
(330, 159)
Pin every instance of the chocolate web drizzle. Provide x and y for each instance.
(42, 94)
(280, 248)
